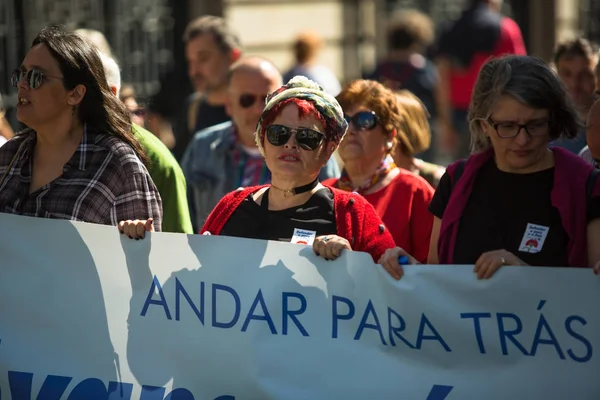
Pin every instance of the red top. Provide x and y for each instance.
(568, 196)
(356, 220)
(463, 81)
(402, 205)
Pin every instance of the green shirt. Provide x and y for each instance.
(169, 180)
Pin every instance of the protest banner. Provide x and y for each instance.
(86, 313)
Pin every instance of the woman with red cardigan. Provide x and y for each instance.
(300, 128)
(399, 196)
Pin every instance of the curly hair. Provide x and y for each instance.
(376, 97)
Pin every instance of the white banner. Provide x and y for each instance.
(88, 314)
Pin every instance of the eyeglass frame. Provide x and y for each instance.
(294, 132)
(15, 80)
(495, 124)
(350, 119)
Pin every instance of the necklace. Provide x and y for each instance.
(297, 190)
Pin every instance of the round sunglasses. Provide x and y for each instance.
(34, 77)
(308, 139)
(363, 121)
(247, 100)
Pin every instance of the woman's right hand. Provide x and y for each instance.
(389, 261)
(136, 229)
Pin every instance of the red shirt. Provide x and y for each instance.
(463, 81)
(402, 206)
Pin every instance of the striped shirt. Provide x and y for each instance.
(104, 182)
(586, 154)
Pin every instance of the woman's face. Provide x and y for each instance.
(524, 151)
(363, 145)
(50, 101)
(291, 160)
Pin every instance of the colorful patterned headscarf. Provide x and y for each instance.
(300, 87)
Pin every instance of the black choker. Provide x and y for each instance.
(299, 189)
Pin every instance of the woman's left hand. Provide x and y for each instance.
(330, 246)
(488, 263)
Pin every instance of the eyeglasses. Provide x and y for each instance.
(308, 139)
(34, 77)
(247, 100)
(363, 121)
(507, 130)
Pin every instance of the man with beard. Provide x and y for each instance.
(211, 47)
(575, 61)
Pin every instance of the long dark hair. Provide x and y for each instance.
(80, 64)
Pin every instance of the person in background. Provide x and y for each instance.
(479, 33)
(127, 96)
(96, 38)
(162, 166)
(225, 157)
(307, 47)
(575, 61)
(78, 159)
(400, 197)
(413, 136)
(297, 133)
(591, 152)
(515, 201)
(6, 132)
(211, 46)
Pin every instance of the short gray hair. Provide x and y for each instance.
(112, 72)
(530, 81)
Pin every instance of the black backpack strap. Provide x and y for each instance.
(457, 173)
(591, 182)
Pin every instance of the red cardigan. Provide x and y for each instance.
(568, 196)
(356, 220)
(402, 206)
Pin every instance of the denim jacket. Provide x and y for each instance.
(209, 169)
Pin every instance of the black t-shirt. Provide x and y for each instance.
(251, 220)
(498, 212)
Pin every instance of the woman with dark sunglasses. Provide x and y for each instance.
(400, 197)
(300, 128)
(78, 159)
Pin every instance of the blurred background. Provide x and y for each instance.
(145, 35)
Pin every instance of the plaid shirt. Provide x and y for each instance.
(103, 183)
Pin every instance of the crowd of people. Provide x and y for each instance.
(251, 154)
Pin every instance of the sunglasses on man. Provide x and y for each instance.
(307, 139)
(363, 121)
(247, 100)
(34, 77)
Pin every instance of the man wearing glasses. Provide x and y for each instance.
(224, 157)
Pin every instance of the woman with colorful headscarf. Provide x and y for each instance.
(300, 128)
(400, 197)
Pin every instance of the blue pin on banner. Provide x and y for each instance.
(403, 260)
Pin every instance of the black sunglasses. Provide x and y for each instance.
(247, 100)
(308, 139)
(34, 77)
(363, 121)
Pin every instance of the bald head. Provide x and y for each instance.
(249, 80)
(592, 132)
(255, 65)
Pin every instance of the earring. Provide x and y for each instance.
(73, 109)
(388, 145)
